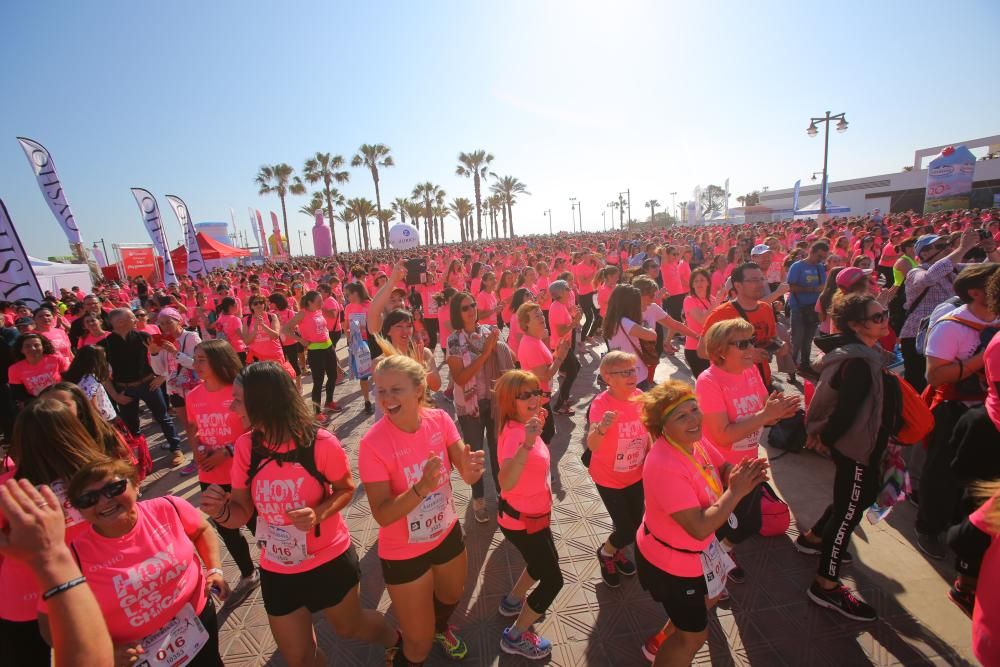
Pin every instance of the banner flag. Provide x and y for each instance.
(253, 228)
(17, 278)
(195, 263)
(282, 248)
(795, 196)
(154, 225)
(48, 181)
(263, 236)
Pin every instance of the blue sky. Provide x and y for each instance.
(576, 99)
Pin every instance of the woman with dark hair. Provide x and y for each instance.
(308, 563)
(262, 333)
(564, 318)
(623, 329)
(104, 434)
(314, 337)
(854, 426)
(521, 295)
(37, 367)
(290, 347)
(89, 371)
(230, 327)
(357, 311)
(697, 305)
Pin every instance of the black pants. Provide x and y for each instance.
(674, 305)
(855, 487)
(940, 489)
(914, 364)
(695, 363)
(625, 507)
(21, 644)
(479, 431)
(542, 561)
(208, 656)
(571, 367)
(431, 324)
(292, 357)
(233, 538)
(549, 427)
(586, 303)
(153, 398)
(324, 365)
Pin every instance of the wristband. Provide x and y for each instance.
(225, 509)
(415, 492)
(62, 588)
(215, 570)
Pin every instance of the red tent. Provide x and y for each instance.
(210, 249)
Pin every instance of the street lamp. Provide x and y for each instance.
(628, 194)
(812, 131)
(549, 213)
(572, 212)
(673, 205)
(302, 235)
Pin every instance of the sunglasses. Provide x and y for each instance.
(878, 318)
(744, 344)
(467, 307)
(90, 498)
(528, 395)
(625, 373)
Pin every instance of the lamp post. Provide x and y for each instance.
(548, 212)
(812, 131)
(673, 205)
(302, 235)
(628, 194)
(572, 211)
(604, 220)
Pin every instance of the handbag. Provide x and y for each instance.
(646, 350)
(916, 419)
(775, 517)
(789, 434)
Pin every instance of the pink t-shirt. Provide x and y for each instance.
(618, 462)
(532, 353)
(427, 293)
(603, 297)
(144, 578)
(558, 315)
(533, 492)
(312, 327)
(278, 488)
(388, 454)
(332, 323)
(38, 376)
(673, 483)
(991, 365)
(216, 426)
(670, 271)
(986, 614)
(284, 317)
(262, 346)
(232, 329)
(60, 342)
(485, 302)
(691, 304)
(514, 335)
(740, 396)
(356, 312)
(583, 274)
(90, 339)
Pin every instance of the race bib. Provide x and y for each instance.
(715, 564)
(631, 453)
(748, 443)
(432, 517)
(176, 643)
(285, 545)
(73, 516)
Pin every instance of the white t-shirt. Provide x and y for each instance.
(652, 315)
(95, 392)
(622, 342)
(952, 341)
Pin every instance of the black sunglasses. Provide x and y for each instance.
(528, 395)
(878, 318)
(90, 498)
(744, 344)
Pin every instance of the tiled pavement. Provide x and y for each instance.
(768, 621)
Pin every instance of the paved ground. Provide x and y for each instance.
(768, 622)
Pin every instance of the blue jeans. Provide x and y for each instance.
(154, 401)
(805, 321)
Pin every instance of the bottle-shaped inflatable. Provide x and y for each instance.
(322, 241)
(949, 180)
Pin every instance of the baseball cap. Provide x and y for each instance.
(850, 276)
(925, 241)
(760, 249)
(24, 322)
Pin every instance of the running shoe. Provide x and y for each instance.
(528, 645)
(804, 546)
(331, 406)
(368, 408)
(843, 601)
(652, 645)
(479, 510)
(609, 569)
(510, 609)
(565, 411)
(964, 600)
(248, 583)
(623, 564)
(189, 469)
(451, 643)
(932, 545)
(178, 458)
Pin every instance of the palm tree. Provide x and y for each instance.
(275, 178)
(475, 165)
(428, 193)
(315, 204)
(414, 209)
(495, 203)
(509, 187)
(348, 216)
(441, 212)
(399, 206)
(362, 209)
(328, 169)
(374, 156)
(462, 208)
(651, 205)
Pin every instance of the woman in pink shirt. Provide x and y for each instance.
(617, 444)
(38, 366)
(142, 322)
(525, 510)
(673, 283)
(290, 347)
(308, 563)
(136, 552)
(697, 304)
(690, 492)
(533, 354)
(986, 613)
(230, 327)
(312, 334)
(262, 334)
(45, 324)
(405, 463)
(95, 332)
(583, 279)
(487, 303)
(606, 281)
(431, 307)
(564, 317)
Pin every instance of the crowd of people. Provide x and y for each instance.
(835, 307)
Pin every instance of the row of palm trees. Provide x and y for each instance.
(426, 205)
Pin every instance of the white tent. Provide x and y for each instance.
(53, 276)
(812, 210)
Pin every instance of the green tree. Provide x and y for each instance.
(713, 200)
(651, 205)
(429, 194)
(362, 209)
(414, 209)
(399, 206)
(462, 208)
(475, 165)
(277, 179)
(508, 187)
(327, 169)
(347, 216)
(374, 156)
(316, 203)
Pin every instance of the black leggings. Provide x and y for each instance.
(855, 487)
(292, 357)
(324, 365)
(586, 303)
(21, 644)
(431, 324)
(209, 655)
(542, 561)
(571, 367)
(625, 507)
(695, 363)
(233, 538)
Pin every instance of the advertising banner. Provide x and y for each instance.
(154, 225)
(138, 262)
(195, 263)
(949, 180)
(263, 237)
(17, 279)
(52, 190)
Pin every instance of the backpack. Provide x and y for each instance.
(915, 419)
(923, 329)
(587, 455)
(304, 456)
